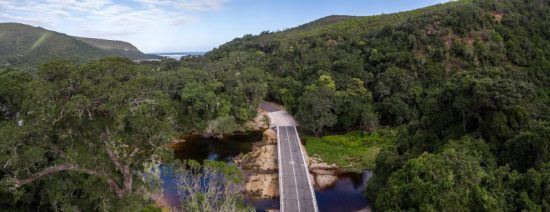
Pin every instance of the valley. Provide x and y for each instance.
(423, 110)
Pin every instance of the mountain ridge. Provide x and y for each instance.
(26, 46)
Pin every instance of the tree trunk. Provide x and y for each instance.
(70, 167)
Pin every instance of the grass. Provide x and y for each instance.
(352, 152)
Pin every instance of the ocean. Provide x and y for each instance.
(178, 55)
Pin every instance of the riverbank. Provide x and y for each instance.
(261, 171)
(255, 154)
(351, 152)
(261, 168)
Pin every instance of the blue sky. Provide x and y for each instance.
(185, 25)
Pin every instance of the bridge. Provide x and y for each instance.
(295, 188)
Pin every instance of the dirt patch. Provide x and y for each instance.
(259, 123)
(497, 16)
(261, 167)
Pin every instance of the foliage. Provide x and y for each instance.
(83, 130)
(352, 152)
(463, 173)
(460, 72)
(213, 186)
(465, 83)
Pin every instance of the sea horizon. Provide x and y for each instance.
(178, 55)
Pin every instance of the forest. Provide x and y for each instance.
(464, 85)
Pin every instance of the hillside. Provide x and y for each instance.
(448, 105)
(109, 44)
(119, 48)
(23, 45)
(465, 83)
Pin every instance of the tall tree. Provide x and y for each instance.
(99, 122)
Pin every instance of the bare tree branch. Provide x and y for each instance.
(69, 167)
(124, 168)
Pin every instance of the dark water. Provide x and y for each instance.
(225, 149)
(345, 195)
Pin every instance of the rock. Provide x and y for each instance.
(262, 158)
(259, 123)
(367, 209)
(324, 181)
(262, 166)
(312, 180)
(263, 185)
(317, 167)
(270, 136)
(325, 174)
(175, 142)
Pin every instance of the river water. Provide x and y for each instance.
(345, 195)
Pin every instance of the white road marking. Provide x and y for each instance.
(279, 119)
(307, 171)
(280, 171)
(293, 170)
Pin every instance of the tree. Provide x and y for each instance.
(317, 106)
(213, 186)
(396, 91)
(13, 85)
(530, 148)
(457, 175)
(200, 103)
(355, 107)
(94, 125)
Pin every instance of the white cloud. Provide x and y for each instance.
(193, 5)
(97, 18)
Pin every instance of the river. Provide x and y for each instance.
(345, 195)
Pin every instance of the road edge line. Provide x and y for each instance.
(280, 171)
(293, 168)
(307, 170)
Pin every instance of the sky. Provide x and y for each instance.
(156, 26)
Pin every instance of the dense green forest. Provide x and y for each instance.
(84, 136)
(465, 86)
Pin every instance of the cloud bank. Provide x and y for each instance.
(100, 18)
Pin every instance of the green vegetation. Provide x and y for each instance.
(450, 75)
(465, 83)
(80, 130)
(26, 46)
(109, 44)
(352, 152)
(78, 136)
(213, 186)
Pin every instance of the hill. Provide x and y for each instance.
(119, 48)
(466, 83)
(109, 44)
(23, 45)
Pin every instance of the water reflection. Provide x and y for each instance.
(225, 149)
(347, 194)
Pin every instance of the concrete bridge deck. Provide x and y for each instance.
(295, 188)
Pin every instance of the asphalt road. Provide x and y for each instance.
(268, 107)
(296, 190)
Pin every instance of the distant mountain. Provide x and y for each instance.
(26, 46)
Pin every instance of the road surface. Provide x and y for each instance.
(295, 188)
